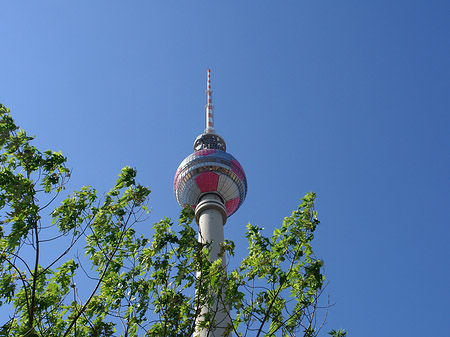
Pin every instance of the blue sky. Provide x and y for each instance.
(349, 99)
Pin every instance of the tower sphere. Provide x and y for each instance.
(210, 169)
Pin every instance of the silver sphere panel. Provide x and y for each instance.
(210, 170)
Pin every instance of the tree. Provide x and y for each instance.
(138, 286)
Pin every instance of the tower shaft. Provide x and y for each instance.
(211, 215)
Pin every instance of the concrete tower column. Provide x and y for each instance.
(211, 215)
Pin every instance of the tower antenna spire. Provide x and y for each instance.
(209, 108)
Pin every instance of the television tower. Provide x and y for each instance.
(213, 182)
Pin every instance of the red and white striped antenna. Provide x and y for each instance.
(209, 106)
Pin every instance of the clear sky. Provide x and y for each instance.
(349, 99)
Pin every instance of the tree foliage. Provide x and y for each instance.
(127, 284)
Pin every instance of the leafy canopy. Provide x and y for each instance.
(127, 284)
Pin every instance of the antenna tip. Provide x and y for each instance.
(209, 80)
